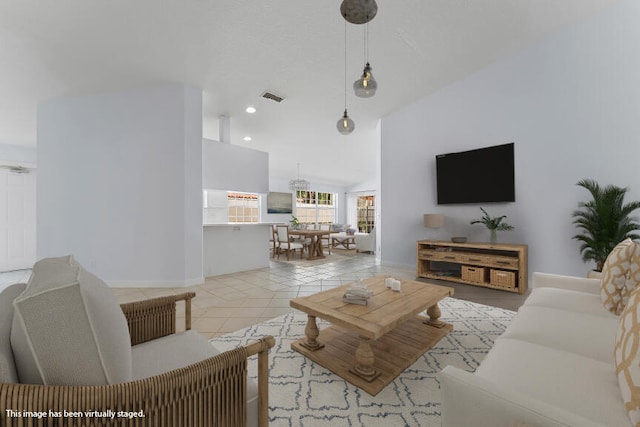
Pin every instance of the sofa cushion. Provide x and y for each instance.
(8, 372)
(579, 333)
(627, 356)
(614, 289)
(568, 300)
(68, 328)
(578, 384)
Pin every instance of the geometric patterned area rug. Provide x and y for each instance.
(302, 393)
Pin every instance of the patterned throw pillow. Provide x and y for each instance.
(633, 276)
(614, 289)
(627, 356)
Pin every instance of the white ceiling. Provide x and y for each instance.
(236, 49)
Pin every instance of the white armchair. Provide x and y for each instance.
(366, 242)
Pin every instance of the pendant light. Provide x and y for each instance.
(345, 125)
(366, 86)
(358, 11)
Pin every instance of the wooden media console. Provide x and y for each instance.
(491, 265)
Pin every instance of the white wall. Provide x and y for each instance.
(571, 104)
(15, 155)
(120, 184)
(234, 168)
(230, 248)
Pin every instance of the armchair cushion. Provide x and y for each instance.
(165, 354)
(178, 351)
(68, 328)
(8, 372)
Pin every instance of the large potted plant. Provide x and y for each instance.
(604, 221)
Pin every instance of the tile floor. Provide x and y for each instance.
(227, 303)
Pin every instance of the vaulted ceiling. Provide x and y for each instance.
(234, 50)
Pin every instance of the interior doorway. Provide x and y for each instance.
(17, 218)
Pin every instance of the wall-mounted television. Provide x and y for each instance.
(483, 175)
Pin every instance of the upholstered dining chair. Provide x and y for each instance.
(285, 244)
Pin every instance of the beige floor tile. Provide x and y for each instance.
(280, 302)
(234, 312)
(207, 324)
(271, 312)
(234, 324)
(257, 302)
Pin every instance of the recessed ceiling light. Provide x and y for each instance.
(250, 110)
(247, 138)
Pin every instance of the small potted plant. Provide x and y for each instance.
(604, 221)
(295, 224)
(493, 224)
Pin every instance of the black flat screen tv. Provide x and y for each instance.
(483, 175)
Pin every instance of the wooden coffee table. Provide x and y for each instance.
(369, 346)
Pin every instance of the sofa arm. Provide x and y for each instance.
(572, 283)
(155, 317)
(469, 400)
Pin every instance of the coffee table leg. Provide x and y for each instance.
(434, 316)
(311, 331)
(364, 361)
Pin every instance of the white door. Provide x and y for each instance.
(17, 220)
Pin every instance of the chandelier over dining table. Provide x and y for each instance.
(299, 184)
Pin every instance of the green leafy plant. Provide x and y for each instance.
(294, 221)
(493, 224)
(604, 221)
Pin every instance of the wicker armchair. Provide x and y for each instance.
(212, 392)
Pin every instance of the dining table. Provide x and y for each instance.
(315, 247)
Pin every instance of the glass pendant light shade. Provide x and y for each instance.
(365, 86)
(345, 125)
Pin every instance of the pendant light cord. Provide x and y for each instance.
(345, 64)
(366, 43)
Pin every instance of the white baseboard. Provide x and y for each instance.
(156, 283)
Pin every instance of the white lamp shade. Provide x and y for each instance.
(433, 220)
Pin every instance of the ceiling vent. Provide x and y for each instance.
(272, 96)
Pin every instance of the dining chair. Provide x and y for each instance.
(274, 241)
(285, 244)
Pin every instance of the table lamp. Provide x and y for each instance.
(433, 220)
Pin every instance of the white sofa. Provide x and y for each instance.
(553, 366)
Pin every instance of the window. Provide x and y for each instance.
(243, 207)
(312, 207)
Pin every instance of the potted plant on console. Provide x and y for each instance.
(604, 221)
(494, 224)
